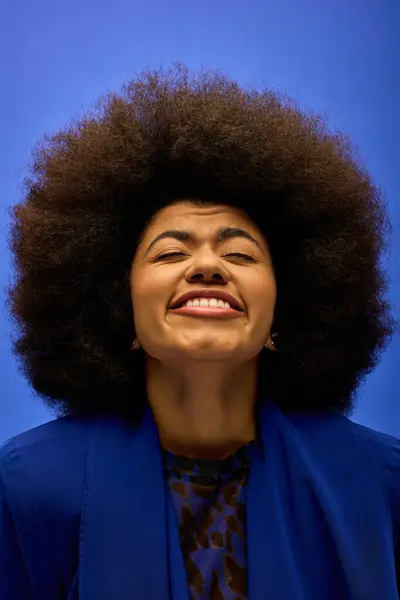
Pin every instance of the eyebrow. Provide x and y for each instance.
(223, 234)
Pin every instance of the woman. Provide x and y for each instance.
(236, 242)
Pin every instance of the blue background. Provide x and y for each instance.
(339, 57)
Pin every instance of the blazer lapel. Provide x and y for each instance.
(123, 545)
(316, 516)
(272, 570)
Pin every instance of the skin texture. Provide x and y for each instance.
(201, 371)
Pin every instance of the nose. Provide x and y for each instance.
(207, 267)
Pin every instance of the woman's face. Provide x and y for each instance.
(202, 285)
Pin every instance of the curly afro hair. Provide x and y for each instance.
(169, 135)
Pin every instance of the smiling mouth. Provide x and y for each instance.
(207, 307)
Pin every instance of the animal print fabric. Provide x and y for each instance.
(210, 506)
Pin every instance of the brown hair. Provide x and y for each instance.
(168, 135)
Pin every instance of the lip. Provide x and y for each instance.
(206, 293)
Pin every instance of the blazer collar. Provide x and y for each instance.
(129, 544)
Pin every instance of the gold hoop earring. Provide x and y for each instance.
(274, 336)
(135, 345)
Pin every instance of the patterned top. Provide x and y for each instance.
(209, 502)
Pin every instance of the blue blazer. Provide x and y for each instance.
(84, 512)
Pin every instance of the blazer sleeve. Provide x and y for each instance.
(395, 508)
(393, 477)
(390, 472)
(384, 451)
(28, 567)
(14, 578)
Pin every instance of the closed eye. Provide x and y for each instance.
(241, 255)
(175, 254)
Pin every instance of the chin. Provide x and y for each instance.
(208, 351)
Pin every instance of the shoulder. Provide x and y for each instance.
(383, 451)
(45, 466)
(337, 436)
(44, 478)
(42, 482)
(46, 446)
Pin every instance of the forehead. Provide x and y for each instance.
(200, 219)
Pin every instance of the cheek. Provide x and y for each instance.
(150, 292)
(262, 297)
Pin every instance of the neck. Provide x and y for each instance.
(203, 410)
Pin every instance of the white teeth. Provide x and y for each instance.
(213, 302)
